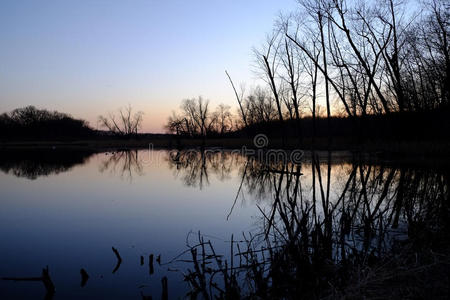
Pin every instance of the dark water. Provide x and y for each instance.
(66, 210)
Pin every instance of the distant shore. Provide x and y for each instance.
(387, 148)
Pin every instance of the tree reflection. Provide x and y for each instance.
(327, 229)
(195, 167)
(32, 164)
(126, 164)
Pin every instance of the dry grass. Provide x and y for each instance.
(409, 275)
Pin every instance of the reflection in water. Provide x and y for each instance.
(32, 164)
(323, 234)
(45, 279)
(324, 228)
(125, 164)
(119, 260)
(194, 167)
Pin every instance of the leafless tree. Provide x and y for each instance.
(195, 113)
(195, 119)
(259, 106)
(360, 57)
(239, 98)
(223, 119)
(123, 123)
(268, 61)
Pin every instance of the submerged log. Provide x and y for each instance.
(45, 279)
(150, 264)
(165, 289)
(119, 259)
(84, 277)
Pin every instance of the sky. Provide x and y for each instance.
(88, 58)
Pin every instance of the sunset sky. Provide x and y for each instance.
(88, 58)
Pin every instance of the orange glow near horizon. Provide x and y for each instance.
(89, 58)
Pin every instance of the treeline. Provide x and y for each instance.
(125, 123)
(407, 126)
(197, 119)
(33, 123)
(361, 62)
(371, 57)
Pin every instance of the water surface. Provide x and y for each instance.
(66, 210)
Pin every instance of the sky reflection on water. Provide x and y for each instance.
(68, 216)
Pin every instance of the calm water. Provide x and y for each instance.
(65, 210)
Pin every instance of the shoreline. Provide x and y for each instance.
(394, 146)
(416, 152)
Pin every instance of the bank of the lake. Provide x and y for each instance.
(398, 149)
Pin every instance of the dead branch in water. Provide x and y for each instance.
(119, 259)
(165, 289)
(150, 265)
(84, 277)
(45, 279)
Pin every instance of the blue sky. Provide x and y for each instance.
(91, 57)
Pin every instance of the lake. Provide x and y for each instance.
(67, 209)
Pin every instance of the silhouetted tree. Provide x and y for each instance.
(197, 120)
(222, 120)
(33, 123)
(124, 123)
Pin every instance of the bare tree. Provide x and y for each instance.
(291, 74)
(259, 106)
(223, 118)
(195, 111)
(197, 120)
(268, 59)
(176, 124)
(239, 98)
(368, 57)
(124, 123)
